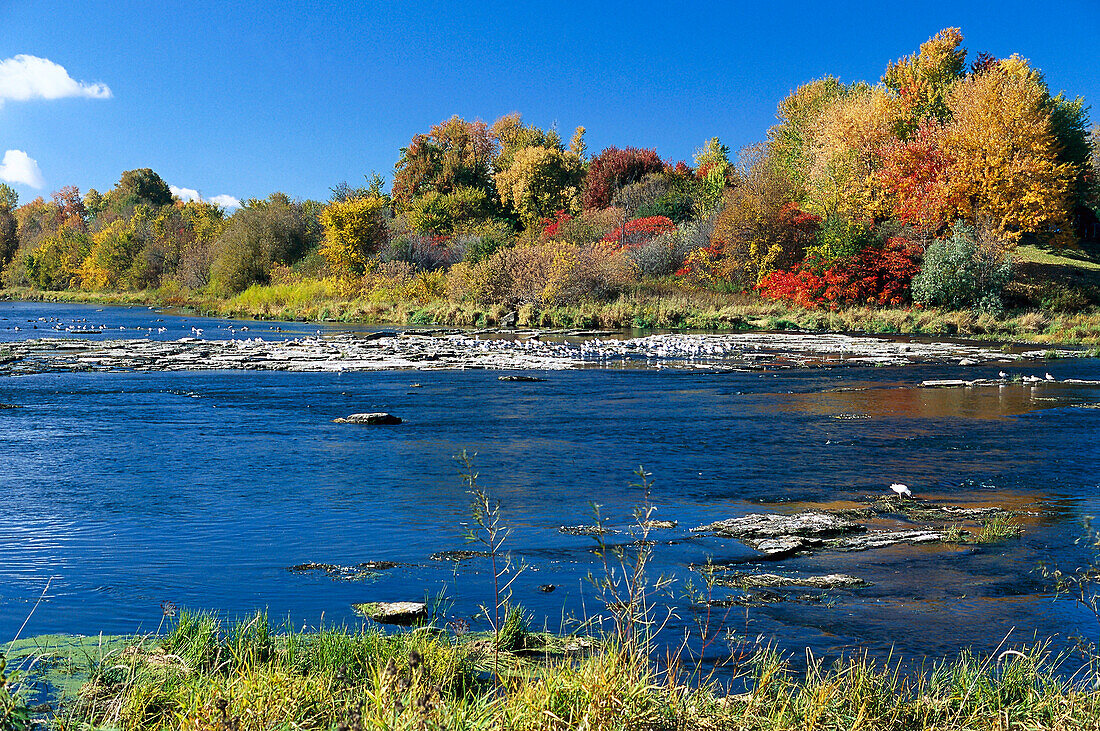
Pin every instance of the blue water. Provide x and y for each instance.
(127, 490)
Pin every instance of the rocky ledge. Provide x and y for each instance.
(436, 350)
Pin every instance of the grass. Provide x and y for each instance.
(203, 676)
(649, 306)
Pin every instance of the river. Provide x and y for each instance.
(130, 490)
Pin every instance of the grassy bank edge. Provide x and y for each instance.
(641, 310)
(250, 675)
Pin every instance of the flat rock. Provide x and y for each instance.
(458, 555)
(882, 539)
(759, 526)
(825, 581)
(403, 613)
(377, 418)
(521, 379)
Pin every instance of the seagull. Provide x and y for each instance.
(1049, 377)
(1002, 374)
(901, 489)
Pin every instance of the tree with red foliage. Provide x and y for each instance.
(550, 226)
(914, 178)
(614, 168)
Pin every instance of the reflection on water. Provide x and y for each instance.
(202, 488)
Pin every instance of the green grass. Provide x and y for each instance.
(202, 676)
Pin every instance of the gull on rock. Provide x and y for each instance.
(901, 489)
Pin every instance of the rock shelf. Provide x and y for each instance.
(454, 351)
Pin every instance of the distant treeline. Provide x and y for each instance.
(915, 188)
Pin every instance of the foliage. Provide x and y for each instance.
(546, 274)
(540, 181)
(715, 173)
(1004, 155)
(664, 254)
(639, 231)
(14, 714)
(876, 275)
(923, 80)
(9, 199)
(967, 269)
(354, 229)
(453, 154)
(440, 213)
(614, 169)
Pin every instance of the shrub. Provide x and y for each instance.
(966, 270)
(545, 274)
(875, 276)
(665, 253)
(639, 231)
(355, 229)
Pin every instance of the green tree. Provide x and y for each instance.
(9, 241)
(452, 155)
(259, 236)
(9, 199)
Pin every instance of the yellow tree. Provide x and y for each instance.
(354, 231)
(923, 80)
(1005, 157)
(540, 182)
(843, 153)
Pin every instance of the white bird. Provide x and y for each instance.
(1002, 374)
(901, 489)
(1049, 377)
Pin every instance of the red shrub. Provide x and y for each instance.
(874, 276)
(640, 230)
(550, 226)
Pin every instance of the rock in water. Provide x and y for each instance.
(521, 379)
(376, 418)
(778, 536)
(403, 613)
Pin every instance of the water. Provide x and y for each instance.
(201, 488)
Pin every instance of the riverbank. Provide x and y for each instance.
(251, 675)
(322, 301)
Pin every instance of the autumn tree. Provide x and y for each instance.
(714, 171)
(614, 168)
(355, 229)
(9, 242)
(923, 80)
(540, 181)
(1005, 158)
(760, 229)
(452, 155)
(791, 141)
(914, 181)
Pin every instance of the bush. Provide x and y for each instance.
(545, 274)
(665, 253)
(967, 270)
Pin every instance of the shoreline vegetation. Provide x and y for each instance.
(248, 675)
(321, 301)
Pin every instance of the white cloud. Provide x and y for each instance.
(185, 194)
(19, 167)
(225, 201)
(26, 77)
(190, 194)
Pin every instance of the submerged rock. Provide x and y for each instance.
(333, 571)
(659, 524)
(458, 555)
(403, 613)
(521, 379)
(377, 418)
(586, 530)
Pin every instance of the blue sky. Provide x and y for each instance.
(246, 98)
